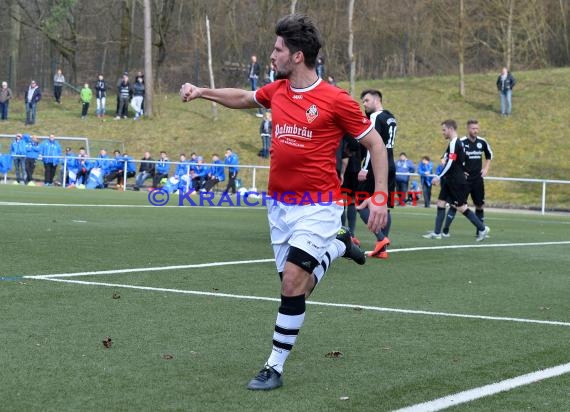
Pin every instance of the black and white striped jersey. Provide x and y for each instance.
(474, 152)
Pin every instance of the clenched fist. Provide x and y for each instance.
(188, 92)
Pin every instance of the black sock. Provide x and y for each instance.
(449, 219)
(474, 219)
(439, 219)
(480, 213)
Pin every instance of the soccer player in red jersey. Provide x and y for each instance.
(310, 117)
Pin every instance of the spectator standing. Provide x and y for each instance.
(50, 151)
(5, 96)
(146, 171)
(254, 70)
(18, 153)
(505, 84)
(265, 131)
(86, 95)
(425, 170)
(403, 165)
(32, 154)
(31, 98)
(138, 97)
(231, 161)
(58, 81)
(320, 67)
(124, 92)
(162, 169)
(101, 95)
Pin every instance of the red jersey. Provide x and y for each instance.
(307, 127)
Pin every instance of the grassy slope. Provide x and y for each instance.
(529, 144)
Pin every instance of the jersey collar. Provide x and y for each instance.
(306, 89)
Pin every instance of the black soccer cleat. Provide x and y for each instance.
(352, 252)
(267, 379)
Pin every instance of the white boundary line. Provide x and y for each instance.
(487, 390)
(242, 262)
(150, 269)
(176, 206)
(479, 245)
(309, 302)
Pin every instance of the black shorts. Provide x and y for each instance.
(454, 193)
(476, 188)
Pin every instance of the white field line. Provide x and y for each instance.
(149, 269)
(487, 390)
(309, 302)
(479, 245)
(242, 262)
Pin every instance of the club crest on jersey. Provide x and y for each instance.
(312, 113)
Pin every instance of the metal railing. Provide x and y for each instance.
(252, 175)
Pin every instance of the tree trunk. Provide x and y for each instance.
(212, 85)
(15, 30)
(293, 6)
(350, 48)
(461, 48)
(509, 55)
(125, 37)
(149, 78)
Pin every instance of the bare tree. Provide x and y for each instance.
(149, 78)
(351, 58)
(461, 47)
(15, 29)
(212, 84)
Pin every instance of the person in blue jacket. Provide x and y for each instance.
(182, 173)
(231, 160)
(32, 154)
(199, 174)
(71, 168)
(403, 165)
(84, 166)
(216, 173)
(425, 170)
(104, 162)
(161, 170)
(50, 151)
(18, 153)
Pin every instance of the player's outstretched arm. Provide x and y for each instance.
(232, 98)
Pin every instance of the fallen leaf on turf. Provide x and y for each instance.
(116, 296)
(215, 289)
(344, 398)
(334, 354)
(167, 356)
(357, 308)
(544, 308)
(107, 342)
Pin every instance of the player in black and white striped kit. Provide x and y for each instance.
(453, 180)
(475, 148)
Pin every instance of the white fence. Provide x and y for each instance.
(249, 176)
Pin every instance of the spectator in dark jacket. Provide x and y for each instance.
(32, 96)
(505, 84)
(101, 95)
(146, 171)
